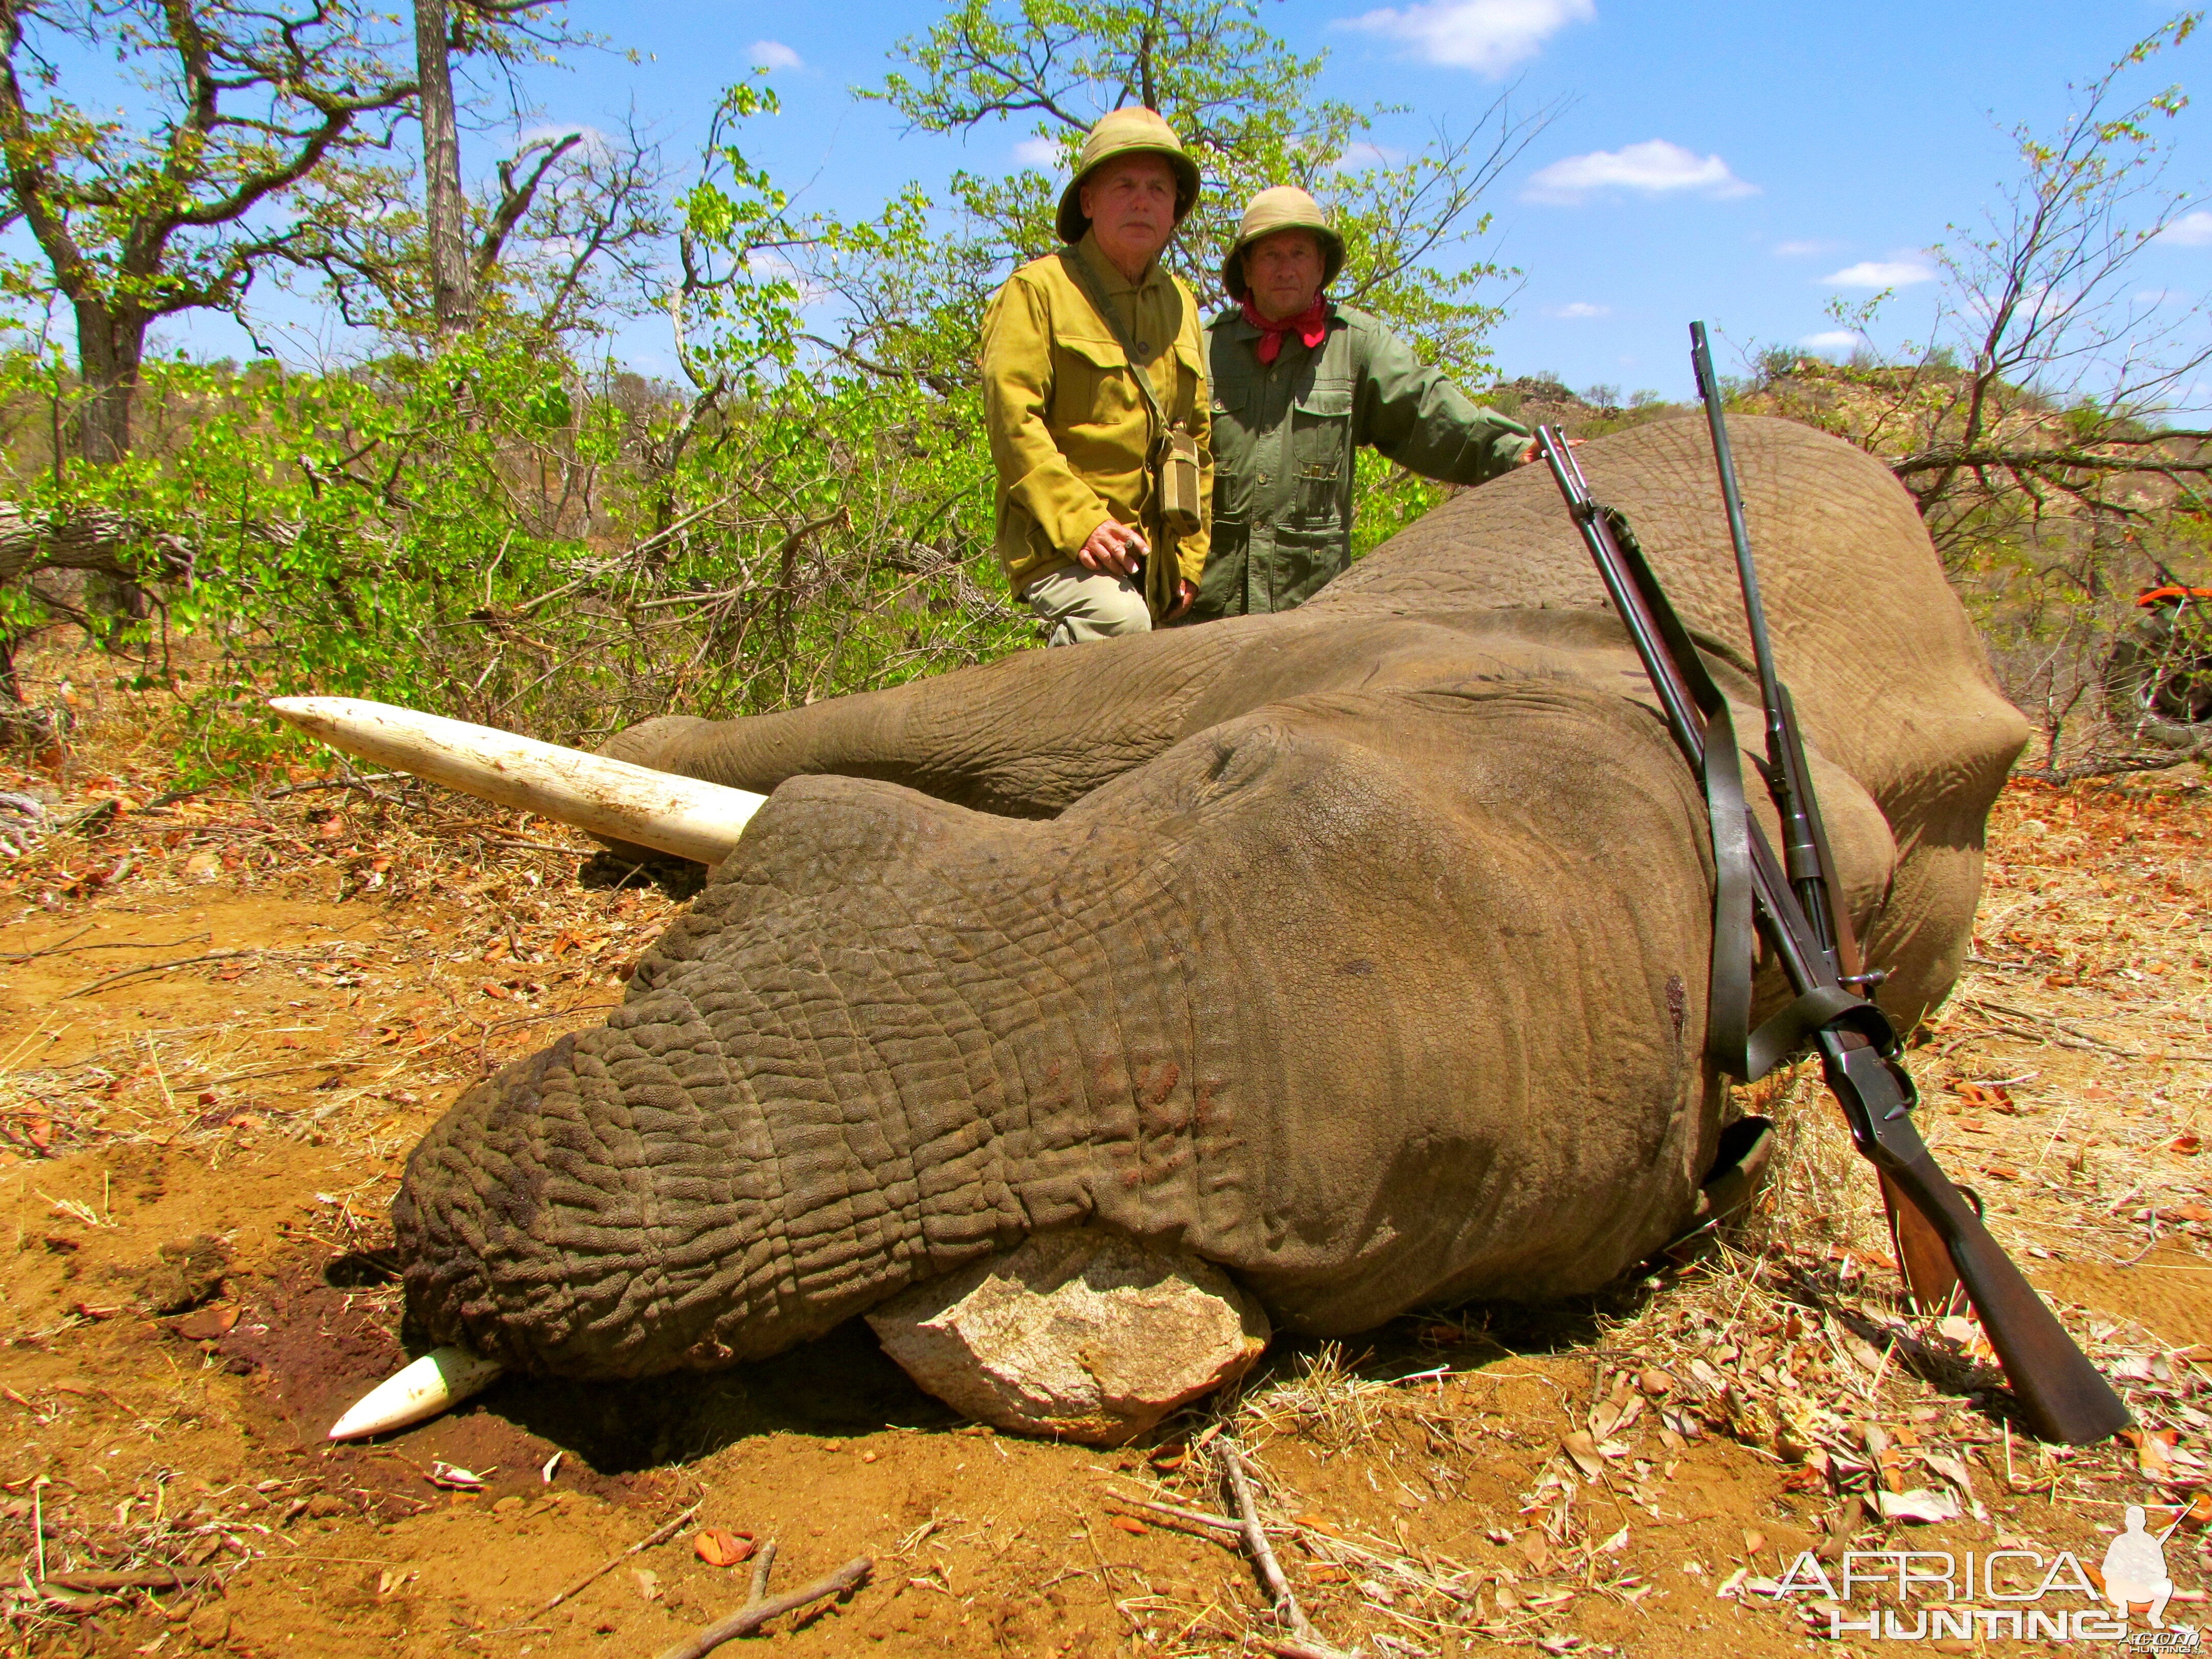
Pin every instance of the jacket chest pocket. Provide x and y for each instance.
(1234, 461)
(1321, 442)
(1091, 383)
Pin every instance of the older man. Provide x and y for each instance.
(1093, 366)
(1299, 383)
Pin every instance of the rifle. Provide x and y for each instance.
(2062, 1395)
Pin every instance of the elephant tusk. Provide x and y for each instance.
(441, 1378)
(614, 798)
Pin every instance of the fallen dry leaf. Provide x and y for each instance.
(1128, 1523)
(1919, 1504)
(718, 1548)
(1583, 1450)
(2185, 1212)
(2188, 1145)
(2154, 1448)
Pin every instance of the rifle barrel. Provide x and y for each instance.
(1785, 779)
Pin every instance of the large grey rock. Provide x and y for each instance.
(1083, 1334)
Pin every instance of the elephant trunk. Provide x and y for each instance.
(813, 1096)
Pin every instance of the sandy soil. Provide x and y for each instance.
(224, 1020)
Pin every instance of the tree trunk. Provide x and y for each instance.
(111, 343)
(452, 295)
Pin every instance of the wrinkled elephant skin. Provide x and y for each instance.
(1361, 950)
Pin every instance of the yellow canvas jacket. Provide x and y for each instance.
(1069, 427)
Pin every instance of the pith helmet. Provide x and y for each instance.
(1133, 132)
(1284, 208)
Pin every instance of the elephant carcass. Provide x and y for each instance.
(1361, 950)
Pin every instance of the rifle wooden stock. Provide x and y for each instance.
(2064, 1397)
(2039, 1360)
(2060, 1394)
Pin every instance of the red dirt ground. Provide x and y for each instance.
(326, 969)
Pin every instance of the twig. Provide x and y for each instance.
(332, 783)
(69, 948)
(1263, 1557)
(155, 968)
(2058, 1024)
(506, 839)
(751, 1617)
(762, 1566)
(157, 1578)
(283, 1071)
(1196, 1517)
(659, 1535)
(46, 951)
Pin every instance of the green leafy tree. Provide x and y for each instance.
(181, 210)
(1251, 113)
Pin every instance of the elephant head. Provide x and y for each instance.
(1362, 950)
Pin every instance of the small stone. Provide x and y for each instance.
(184, 1275)
(322, 1506)
(1083, 1334)
(210, 1625)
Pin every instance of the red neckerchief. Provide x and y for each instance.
(1310, 326)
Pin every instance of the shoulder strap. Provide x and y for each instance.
(1073, 258)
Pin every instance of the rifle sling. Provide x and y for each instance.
(1728, 1037)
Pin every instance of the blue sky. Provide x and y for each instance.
(1737, 162)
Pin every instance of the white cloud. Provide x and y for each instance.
(1654, 168)
(1576, 310)
(1487, 36)
(1881, 273)
(596, 146)
(2190, 230)
(1038, 152)
(1361, 154)
(1833, 339)
(774, 55)
(1801, 250)
(770, 265)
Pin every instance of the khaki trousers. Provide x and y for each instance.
(1083, 606)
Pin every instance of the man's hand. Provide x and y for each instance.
(1113, 549)
(1185, 592)
(1529, 453)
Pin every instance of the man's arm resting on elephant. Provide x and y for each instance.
(1017, 367)
(1415, 416)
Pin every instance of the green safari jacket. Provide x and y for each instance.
(1284, 438)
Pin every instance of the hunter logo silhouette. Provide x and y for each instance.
(2134, 1569)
